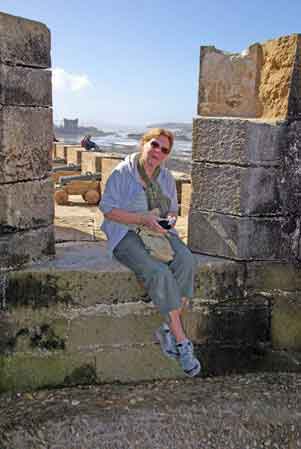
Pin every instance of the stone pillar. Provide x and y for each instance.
(26, 191)
(245, 174)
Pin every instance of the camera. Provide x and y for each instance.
(164, 224)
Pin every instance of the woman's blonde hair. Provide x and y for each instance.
(157, 132)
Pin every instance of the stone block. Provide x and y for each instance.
(279, 88)
(219, 279)
(24, 42)
(183, 185)
(26, 205)
(108, 164)
(21, 372)
(61, 151)
(285, 321)
(262, 82)
(135, 364)
(237, 141)
(25, 147)
(136, 324)
(240, 238)
(25, 86)
(273, 276)
(228, 83)
(235, 190)
(45, 286)
(74, 154)
(185, 198)
(75, 277)
(19, 248)
(244, 322)
(91, 162)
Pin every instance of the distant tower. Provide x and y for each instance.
(70, 124)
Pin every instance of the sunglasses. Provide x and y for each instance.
(155, 144)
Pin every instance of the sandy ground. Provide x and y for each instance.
(81, 222)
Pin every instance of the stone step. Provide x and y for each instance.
(83, 274)
(82, 311)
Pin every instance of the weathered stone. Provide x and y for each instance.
(96, 326)
(136, 324)
(24, 42)
(185, 198)
(81, 275)
(279, 88)
(239, 323)
(237, 141)
(25, 86)
(7, 332)
(239, 238)
(25, 146)
(91, 161)
(294, 100)
(135, 364)
(19, 372)
(74, 154)
(262, 82)
(108, 164)
(290, 191)
(87, 287)
(26, 205)
(285, 321)
(183, 186)
(19, 248)
(219, 279)
(235, 190)
(228, 82)
(61, 151)
(273, 276)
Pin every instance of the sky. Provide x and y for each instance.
(136, 62)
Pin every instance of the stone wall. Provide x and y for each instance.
(261, 82)
(26, 204)
(246, 173)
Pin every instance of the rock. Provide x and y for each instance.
(238, 141)
(26, 205)
(228, 82)
(19, 248)
(26, 143)
(241, 238)
(245, 190)
(24, 42)
(262, 82)
(25, 86)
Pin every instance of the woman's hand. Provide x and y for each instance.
(150, 220)
(172, 217)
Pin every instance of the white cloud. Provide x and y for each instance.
(62, 80)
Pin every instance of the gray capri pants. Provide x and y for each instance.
(165, 283)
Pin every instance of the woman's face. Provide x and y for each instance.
(156, 151)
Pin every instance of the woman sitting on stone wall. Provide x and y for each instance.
(140, 193)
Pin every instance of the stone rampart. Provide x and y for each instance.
(261, 82)
(26, 205)
(246, 173)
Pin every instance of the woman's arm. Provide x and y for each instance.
(124, 217)
(148, 219)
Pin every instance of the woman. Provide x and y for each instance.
(140, 192)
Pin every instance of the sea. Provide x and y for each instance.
(126, 140)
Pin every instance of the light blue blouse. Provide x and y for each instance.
(124, 190)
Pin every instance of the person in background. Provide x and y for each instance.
(139, 193)
(88, 144)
